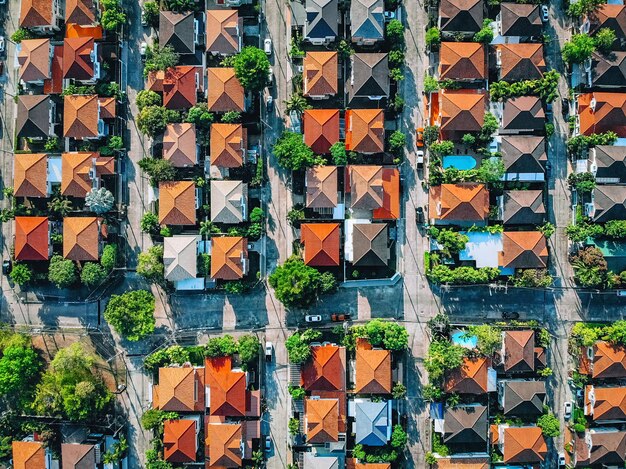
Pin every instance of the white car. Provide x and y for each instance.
(567, 410)
(420, 158)
(269, 351)
(270, 75)
(143, 47)
(313, 318)
(2, 45)
(561, 460)
(267, 46)
(545, 13)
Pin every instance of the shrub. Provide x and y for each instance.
(223, 346)
(433, 37)
(109, 257)
(549, 425)
(93, 274)
(62, 272)
(21, 274)
(294, 426)
(485, 35)
(131, 314)
(149, 223)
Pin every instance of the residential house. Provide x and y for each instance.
(365, 130)
(177, 203)
(373, 369)
(82, 171)
(524, 157)
(322, 21)
(31, 455)
(326, 371)
(463, 61)
(228, 145)
(32, 239)
(320, 74)
(459, 462)
(372, 422)
(229, 258)
(30, 175)
(611, 16)
(321, 420)
(179, 145)
(460, 16)
(43, 17)
(460, 112)
(81, 238)
(322, 193)
(522, 398)
(517, 22)
(180, 440)
(603, 360)
(227, 387)
(180, 86)
(80, 456)
(224, 32)
(520, 207)
(523, 250)
(367, 21)
(367, 244)
(35, 116)
(518, 351)
(600, 112)
(180, 389)
(81, 59)
(225, 93)
(523, 114)
(80, 12)
(369, 79)
(606, 70)
(375, 190)
(464, 203)
(522, 445)
(321, 129)
(178, 30)
(608, 202)
(321, 244)
(229, 202)
(466, 428)
(317, 461)
(605, 404)
(180, 257)
(224, 442)
(607, 163)
(472, 377)
(83, 116)
(599, 447)
(35, 59)
(516, 62)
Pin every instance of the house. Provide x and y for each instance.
(523, 250)
(81, 238)
(321, 129)
(465, 428)
(180, 85)
(229, 201)
(608, 163)
(320, 76)
(180, 440)
(373, 422)
(522, 398)
(373, 369)
(32, 239)
(367, 244)
(369, 78)
(34, 58)
(321, 188)
(367, 20)
(460, 16)
(523, 114)
(180, 255)
(321, 244)
(178, 30)
(326, 370)
(517, 22)
(606, 71)
(322, 20)
(608, 202)
(228, 145)
(472, 377)
(83, 116)
(519, 207)
(602, 111)
(518, 350)
(179, 145)
(460, 112)
(460, 462)
(225, 93)
(224, 442)
(317, 461)
(365, 130)
(463, 61)
(226, 388)
(524, 157)
(612, 16)
(82, 171)
(35, 116)
(180, 389)
(374, 189)
(603, 360)
(605, 404)
(30, 174)
(599, 447)
(80, 12)
(463, 203)
(31, 455)
(516, 62)
(177, 203)
(43, 17)
(79, 456)
(229, 258)
(224, 32)
(321, 417)
(81, 59)
(522, 445)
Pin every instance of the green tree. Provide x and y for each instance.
(433, 37)
(180, 6)
(295, 215)
(113, 15)
(491, 170)
(615, 229)
(159, 58)
(485, 35)
(20, 34)
(490, 125)
(150, 264)
(442, 148)
(578, 49)
(469, 140)
(451, 242)
(257, 215)
(149, 223)
(398, 391)
(296, 392)
(93, 274)
(60, 205)
(397, 141)
(200, 115)
(396, 57)
(338, 153)
(231, 117)
(62, 272)
(131, 314)
(248, 347)
(583, 7)
(292, 153)
(442, 356)
(109, 257)
(398, 437)
(395, 32)
(431, 85)
(294, 426)
(19, 366)
(590, 267)
(396, 74)
(549, 425)
(298, 347)
(151, 13)
(296, 103)
(223, 346)
(604, 39)
(584, 183)
(251, 68)
(152, 419)
(21, 274)
(99, 200)
(295, 283)
(147, 98)
(532, 278)
(489, 338)
(152, 120)
(158, 169)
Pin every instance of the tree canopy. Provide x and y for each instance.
(131, 314)
(296, 284)
(150, 264)
(159, 58)
(93, 274)
(252, 68)
(292, 153)
(113, 15)
(298, 347)
(19, 366)
(578, 49)
(62, 272)
(152, 120)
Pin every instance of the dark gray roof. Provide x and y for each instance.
(523, 207)
(33, 116)
(177, 30)
(523, 154)
(466, 426)
(610, 203)
(611, 161)
(461, 15)
(523, 398)
(609, 69)
(321, 19)
(369, 244)
(367, 19)
(370, 75)
(524, 113)
(520, 20)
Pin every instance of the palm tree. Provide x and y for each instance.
(297, 103)
(99, 200)
(61, 205)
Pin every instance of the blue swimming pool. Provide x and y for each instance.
(464, 340)
(461, 162)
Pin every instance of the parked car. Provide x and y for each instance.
(339, 317)
(419, 136)
(267, 46)
(270, 76)
(1, 67)
(419, 215)
(390, 15)
(6, 267)
(269, 102)
(510, 315)
(268, 443)
(419, 160)
(2, 45)
(567, 410)
(313, 318)
(143, 47)
(269, 351)
(561, 460)
(545, 13)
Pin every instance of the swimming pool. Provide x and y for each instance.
(461, 162)
(462, 338)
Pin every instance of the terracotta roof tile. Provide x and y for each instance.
(321, 243)
(522, 61)
(224, 444)
(75, 167)
(524, 250)
(54, 85)
(81, 238)
(352, 463)
(228, 387)
(320, 74)
(609, 361)
(225, 93)
(179, 87)
(31, 238)
(326, 371)
(390, 209)
(373, 370)
(224, 30)
(80, 116)
(524, 445)
(605, 403)
(462, 61)
(601, 111)
(228, 257)
(520, 20)
(177, 203)
(180, 389)
(30, 175)
(375, 188)
(179, 144)
(228, 145)
(106, 107)
(77, 62)
(365, 130)
(34, 59)
(155, 81)
(76, 30)
(321, 129)
(180, 442)
(29, 455)
(612, 16)
(321, 187)
(461, 111)
(469, 378)
(519, 353)
(81, 12)
(35, 13)
(322, 417)
(77, 456)
(459, 202)
(461, 463)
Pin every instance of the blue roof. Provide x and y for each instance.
(373, 423)
(370, 29)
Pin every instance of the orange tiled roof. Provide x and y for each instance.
(179, 440)
(365, 130)
(373, 369)
(77, 52)
(461, 463)
(224, 444)
(31, 238)
(602, 111)
(80, 12)
(461, 111)
(326, 371)
(524, 445)
(179, 87)
(106, 106)
(80, 238)
(179, 144)
(35, 13)
(155, 81)
(228, 387)
(29, 455)
(469, 378)
(609, 361)
(177, 203)
(464, 202)
(222, 31)
(322, 420)
(522, 61)
(228, 145)
(30, 175)
(609, 403)
(80, 116)
(180, 389)
(34, 59)
(320, 73)
(366, 187)
(321, 243)
(54, 85)
(227, 253)
(75, 167)
(321, 187)
(225, 93)
(321, 129)
(462, 61)
(524, 250)
(76, 30)
(352, 463)
(390, 209)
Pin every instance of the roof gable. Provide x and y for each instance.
(77, 58)
(81, 12)
(76, 456)
(370, 75)
(610, 161)
(176, 391)
(461, 111)
(523, 154)
(462, 61)
(80, 116)
(469, 378)
(33, 116)
(609, 361)
(462, 202)
(373, 422)
(466, 426)
(461, 15)
(612, 16)
(30, 175)
(224, 443)
(179, 144)
(519, 351)
(321, 243)
(228, 255)
(373, 370)
(81, 238)
(524, 250)
(523, 398)
(179, 87)
(367, 19)
(321, 19)
(524, 445)
(31, 239)
(34, 13)
(520, 19)
(34, 59)
(523, 207)
(180, 257)
(608, 403)
(321, 187)
(370, 244)
(223, 31)
(177, 203)
(322, 416)
(602, 111)
(524, 113)
(28, 455)
(225, 93)
(228, 145)
(76, 180)
(228, 199)
(227, 387)
(522, 61)
(365, 130)
(321, 129)
(609, 202)
(179, 440)
(326, 371)
(320, 73)
(177, 30)
(608, 69)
